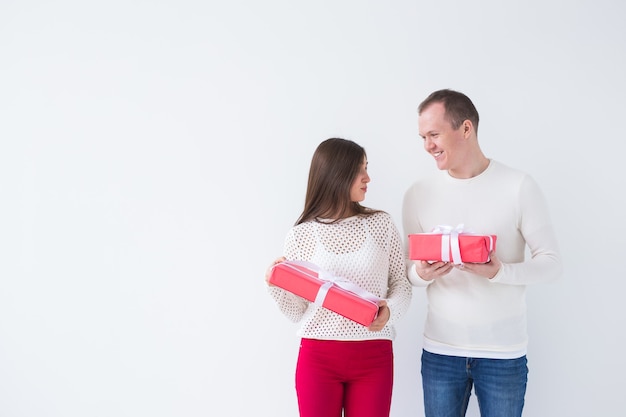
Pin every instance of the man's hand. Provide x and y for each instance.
(487, 270)
(429, 271)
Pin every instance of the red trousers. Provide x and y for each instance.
(355, 377)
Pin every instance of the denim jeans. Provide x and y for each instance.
(499, 385)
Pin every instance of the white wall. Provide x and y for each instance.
(154, 154)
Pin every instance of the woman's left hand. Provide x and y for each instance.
(382, 318)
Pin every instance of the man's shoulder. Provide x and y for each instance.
(427, 180)
(502, 169)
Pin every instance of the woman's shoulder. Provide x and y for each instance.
(300, 227)
(379, 216)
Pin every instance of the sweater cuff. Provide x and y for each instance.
(415, 279)
(499, 274)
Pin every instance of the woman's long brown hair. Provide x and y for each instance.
(334, 166)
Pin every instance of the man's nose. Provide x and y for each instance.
(428, 143)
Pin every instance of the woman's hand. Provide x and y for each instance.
(382, 318)
(268, 272)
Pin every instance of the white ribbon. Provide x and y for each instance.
(450, 242)
(331, 279)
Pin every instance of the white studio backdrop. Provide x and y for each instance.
(154, 154)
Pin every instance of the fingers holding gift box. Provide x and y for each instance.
(451, 245)
(325, 289)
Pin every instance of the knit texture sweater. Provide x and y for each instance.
(470, 315)
(368, 251)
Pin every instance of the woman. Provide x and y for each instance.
(343, 365)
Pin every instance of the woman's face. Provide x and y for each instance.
(359, 185)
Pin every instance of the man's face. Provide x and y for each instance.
(444, 143)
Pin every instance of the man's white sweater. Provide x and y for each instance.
(469, 315)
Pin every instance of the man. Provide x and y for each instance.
(475, 332)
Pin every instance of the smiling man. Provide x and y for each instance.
(475, 335)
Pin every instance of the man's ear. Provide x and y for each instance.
(467, 127)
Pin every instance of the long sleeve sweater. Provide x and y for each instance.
(469, 315)
(368, 251)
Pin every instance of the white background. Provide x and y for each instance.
(153, 155)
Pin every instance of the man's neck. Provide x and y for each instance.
(472, 169)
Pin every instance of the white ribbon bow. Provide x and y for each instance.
(450, 242)
(331, 279)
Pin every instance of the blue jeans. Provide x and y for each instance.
(499, 385)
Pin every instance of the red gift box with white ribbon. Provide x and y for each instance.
(327, 290)
(449, 244)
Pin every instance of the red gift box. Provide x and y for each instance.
(334, 293)
(451, 245)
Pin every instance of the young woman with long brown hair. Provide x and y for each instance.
(342, 365)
